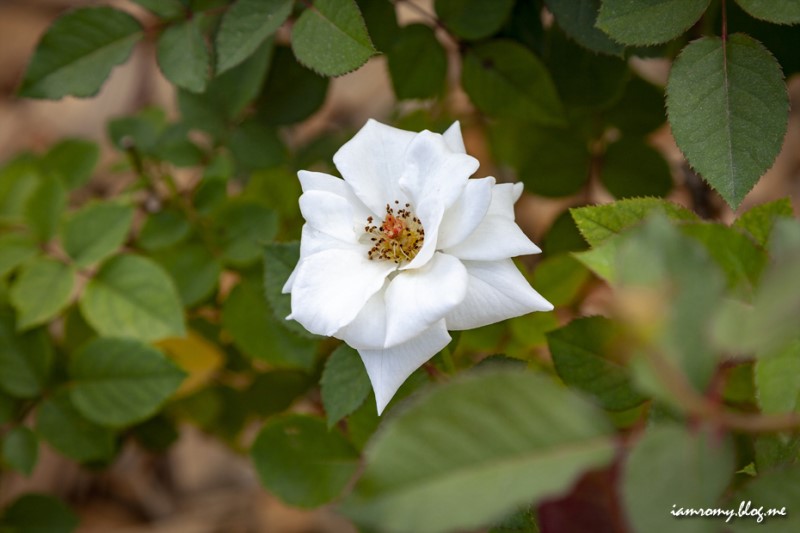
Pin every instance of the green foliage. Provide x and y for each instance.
(302, 462)
(473, 19)
(131, 296)
(41, 291)
(583, 354)
(183, 56)
(96, 231)
(25, 359)
(63, 427)
(20, 449)
(777, 12)
(77, 53)
(146, 293)
(255, 330)
(728, 109)
(505, 80)
(344, 384)
(417, 63)
(245, 27)
(38, 512)
(330, 37)
(692, 470)
(648, 21)
(578, 20)
(521, 439)
(117, 382)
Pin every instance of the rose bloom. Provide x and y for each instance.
(404, 248)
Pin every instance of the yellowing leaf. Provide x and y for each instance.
(199, 358)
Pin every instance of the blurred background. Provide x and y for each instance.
(200, 485)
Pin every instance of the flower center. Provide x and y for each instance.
(398, 238)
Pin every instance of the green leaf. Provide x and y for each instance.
(632, 168)
(45, 206)
(577, 19)
(417, 63)
(559, 278)
(301, 462)
(381, 20)
(242, 229)
(183, 56)
(777, 380)
(8, 408)
(599, 223)
(474, 449)
(245, 27)
(279, 261)
(344, 384)
(174, 146)
(584, 354)
(274, 391)
(563, 236)
(645, 22)
(65, 429)
(25, 359)
(15, 249)
(194, 271)
(20, 449)
(166, 9)
(78, 51)
(38, 513)
(740, 258)
(96, 231)
(760, 220)
(227, 95)
(505, 80)
(601, 258)
(787, 12)
(640, 110)
(116, 382)
(249, 320)
(330, 37)
(41, 291)
(140, 131)
(256, 146)
(728, 109)
(131, 296)
(692, 470)
(73, 160)
(554, 163)
(18, 180)
(473, 19)
(574, 68)
(776, 489)
(292, 93)
(163, 229)
(678, 288)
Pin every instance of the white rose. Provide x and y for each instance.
(405, 248)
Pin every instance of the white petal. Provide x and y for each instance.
(319, 181)
(496, 291)
(464, 216)
(454, 139)
(331, 214)
(430, 214)
(504, 196)
(388, 368)
(416, 299)
(313, 241)
(496, 238)
(332, 286)
(433, 171)
(368, 329)
(372, 162)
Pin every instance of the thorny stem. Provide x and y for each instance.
(699, 406)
